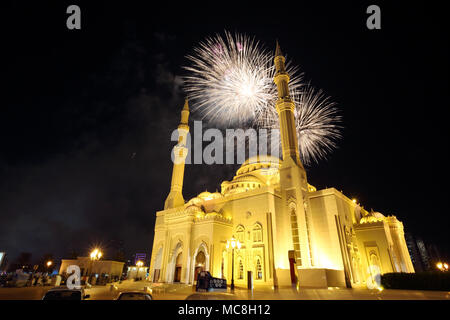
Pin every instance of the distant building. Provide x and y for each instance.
(105, 270)
(416, 259)
(424, 255)
(134, 272)
(433, 254)
(425, 258)
(140, 257)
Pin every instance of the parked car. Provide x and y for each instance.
(134, 295)
(63, 293)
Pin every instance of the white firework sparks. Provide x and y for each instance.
(230, 83)
(317, 121)
(230, 80)
(318, 124)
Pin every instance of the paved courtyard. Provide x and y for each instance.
(181, 292)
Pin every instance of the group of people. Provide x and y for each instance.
(23, 279)
(38, 280)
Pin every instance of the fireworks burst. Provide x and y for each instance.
(317, 121)
(230, 83)
(230, 80)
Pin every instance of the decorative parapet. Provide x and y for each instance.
(213, 216)
(170, 211)
(370, 219)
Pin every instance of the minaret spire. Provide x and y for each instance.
(278, 50)
(175, 197)
(285, 108)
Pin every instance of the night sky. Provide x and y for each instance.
(86, 115)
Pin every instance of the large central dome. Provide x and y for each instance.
(255, 172)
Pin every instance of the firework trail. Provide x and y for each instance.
(230, 83)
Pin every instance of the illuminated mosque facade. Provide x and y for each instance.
(290, 232)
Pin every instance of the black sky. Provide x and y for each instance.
(86, 115)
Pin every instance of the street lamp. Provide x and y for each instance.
(442, 266)
(233, 243)
(96, 254)
(49, 263)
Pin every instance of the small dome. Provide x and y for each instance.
(259, 162)
(208, 195)
(378, 215)
(255, 172)
(196, 201)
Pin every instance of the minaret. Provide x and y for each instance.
(285, 108)
(292, 227)
(175, 197)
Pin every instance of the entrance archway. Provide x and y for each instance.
(178, 268)
(200, 261)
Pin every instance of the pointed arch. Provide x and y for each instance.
(240, 268)
(197, 265)
(258, 268)
(240, 233)
(257, 232)
(174, 270)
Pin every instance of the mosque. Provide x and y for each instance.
(290, 233)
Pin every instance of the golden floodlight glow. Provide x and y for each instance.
(354, 200)
(233, 243)
(49, 263)
(139, 263)
(96, 254)
(439, 265)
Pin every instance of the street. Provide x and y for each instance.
(181, 291)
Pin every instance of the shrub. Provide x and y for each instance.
(417, 281)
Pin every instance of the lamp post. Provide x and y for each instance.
(96, 254)
(233, 243)
(49, 263)
(442, 266)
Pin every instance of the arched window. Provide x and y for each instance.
(240, 233)
(258, 269)
(241, 270)
(257, 233)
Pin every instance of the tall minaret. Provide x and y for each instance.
(285, 108)
(175, 197)
(292, 225)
